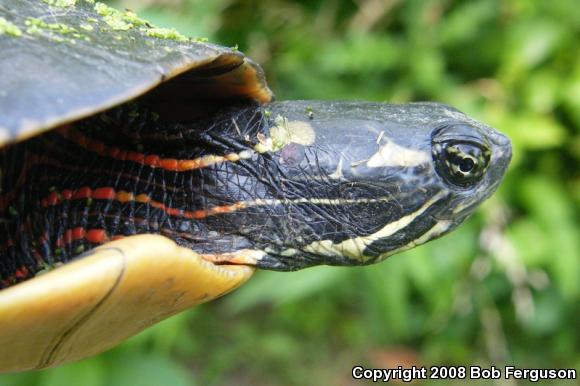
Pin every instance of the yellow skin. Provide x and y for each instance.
(125, 285)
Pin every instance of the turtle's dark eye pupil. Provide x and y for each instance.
(466, 165)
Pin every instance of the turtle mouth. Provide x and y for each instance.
(248, 257)
(229, 267)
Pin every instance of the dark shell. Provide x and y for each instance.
(63, 62)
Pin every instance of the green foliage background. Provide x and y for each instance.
(502, 289)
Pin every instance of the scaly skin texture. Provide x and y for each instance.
(301, 183)
(106, 177)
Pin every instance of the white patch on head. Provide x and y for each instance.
(284, 133)
(392, 154)
(264, 144)
(301, 132)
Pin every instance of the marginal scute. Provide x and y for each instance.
(126, 285)
(62, 53)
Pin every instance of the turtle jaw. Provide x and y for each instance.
(248, 257)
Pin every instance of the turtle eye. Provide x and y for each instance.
(461, 163)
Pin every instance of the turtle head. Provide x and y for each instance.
(350, 183)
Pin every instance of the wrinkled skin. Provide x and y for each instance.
(282, 186)
(368, 165)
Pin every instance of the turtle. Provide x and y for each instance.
(143, 172)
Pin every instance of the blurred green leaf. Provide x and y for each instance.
(465, 22)
(548, 314)
(146, 370)
(555, 213)
(359, 54)
(512, 64)
(534, 131)
(529, 43)
(278, 288)
(86, 373)
(532, 243)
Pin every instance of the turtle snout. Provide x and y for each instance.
(502, 154)
(500, 140)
